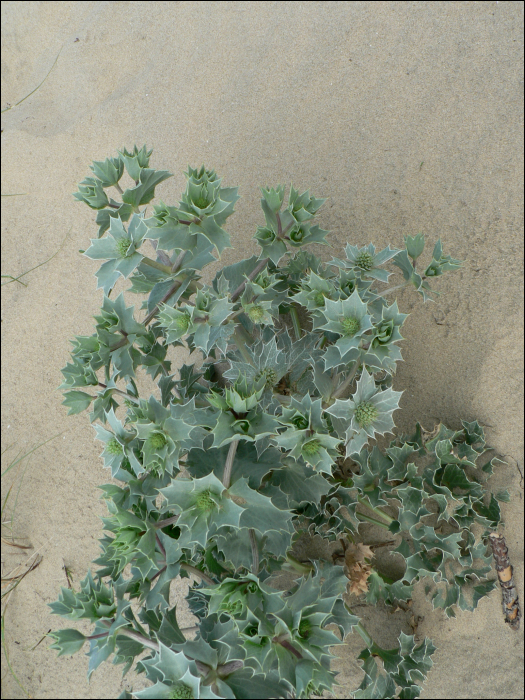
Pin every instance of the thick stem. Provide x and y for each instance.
(299, 566)
(344, 386)
(296, 322)
(241, 342)
(226, 478)
(376, 511)
(286, 644)
(118, 188)
(178, 261)
(193, 570)
(364, 635)
(156, 265)
(118, 345)
(374, 521)
(171, 291)
(284, 400)
(122, 393)
(253, 274)
(255, 552)
(139, 638)
(164, 259)
(361, 630)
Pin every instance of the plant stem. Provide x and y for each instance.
(160, 254)
(193, 286)
(122, 393)
(193, 570)
(255, 552)
(374, 521)
(286, 644)
(393, 289)
(377, 512)
(344, 386)
(226, 478)
(178, 261)
(296, 322)
(361, 630)
(156, 265)
(139, 638)
(241, 342)
(165, 523)
(364, 634)
(118, 188)
(118, 345)
(299, 566)
(253, 274)
(284, 400)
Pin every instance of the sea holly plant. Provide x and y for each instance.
(272, 435)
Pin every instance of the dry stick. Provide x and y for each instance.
(39, 84)
(510, 602)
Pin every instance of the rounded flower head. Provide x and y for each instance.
(364, 261)
(259, 312)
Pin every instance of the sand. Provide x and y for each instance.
(407, 116)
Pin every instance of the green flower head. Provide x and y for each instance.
(307, 435)
(158, 440)
(114, 447)
(116, 443)
(369, 411)
(259, 312)
(176, 322)
(365, 262)
(180, 690)
(347, 317)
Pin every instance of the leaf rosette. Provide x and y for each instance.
(348, 318)
(108, 171)
(366, 262)
(91, 191)
(314, 292)
(164, 433)
(119, 248)
(176, 676)
(382, 353)
(307, 434)
(369, 411)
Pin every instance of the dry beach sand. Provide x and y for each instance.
(406, 115)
